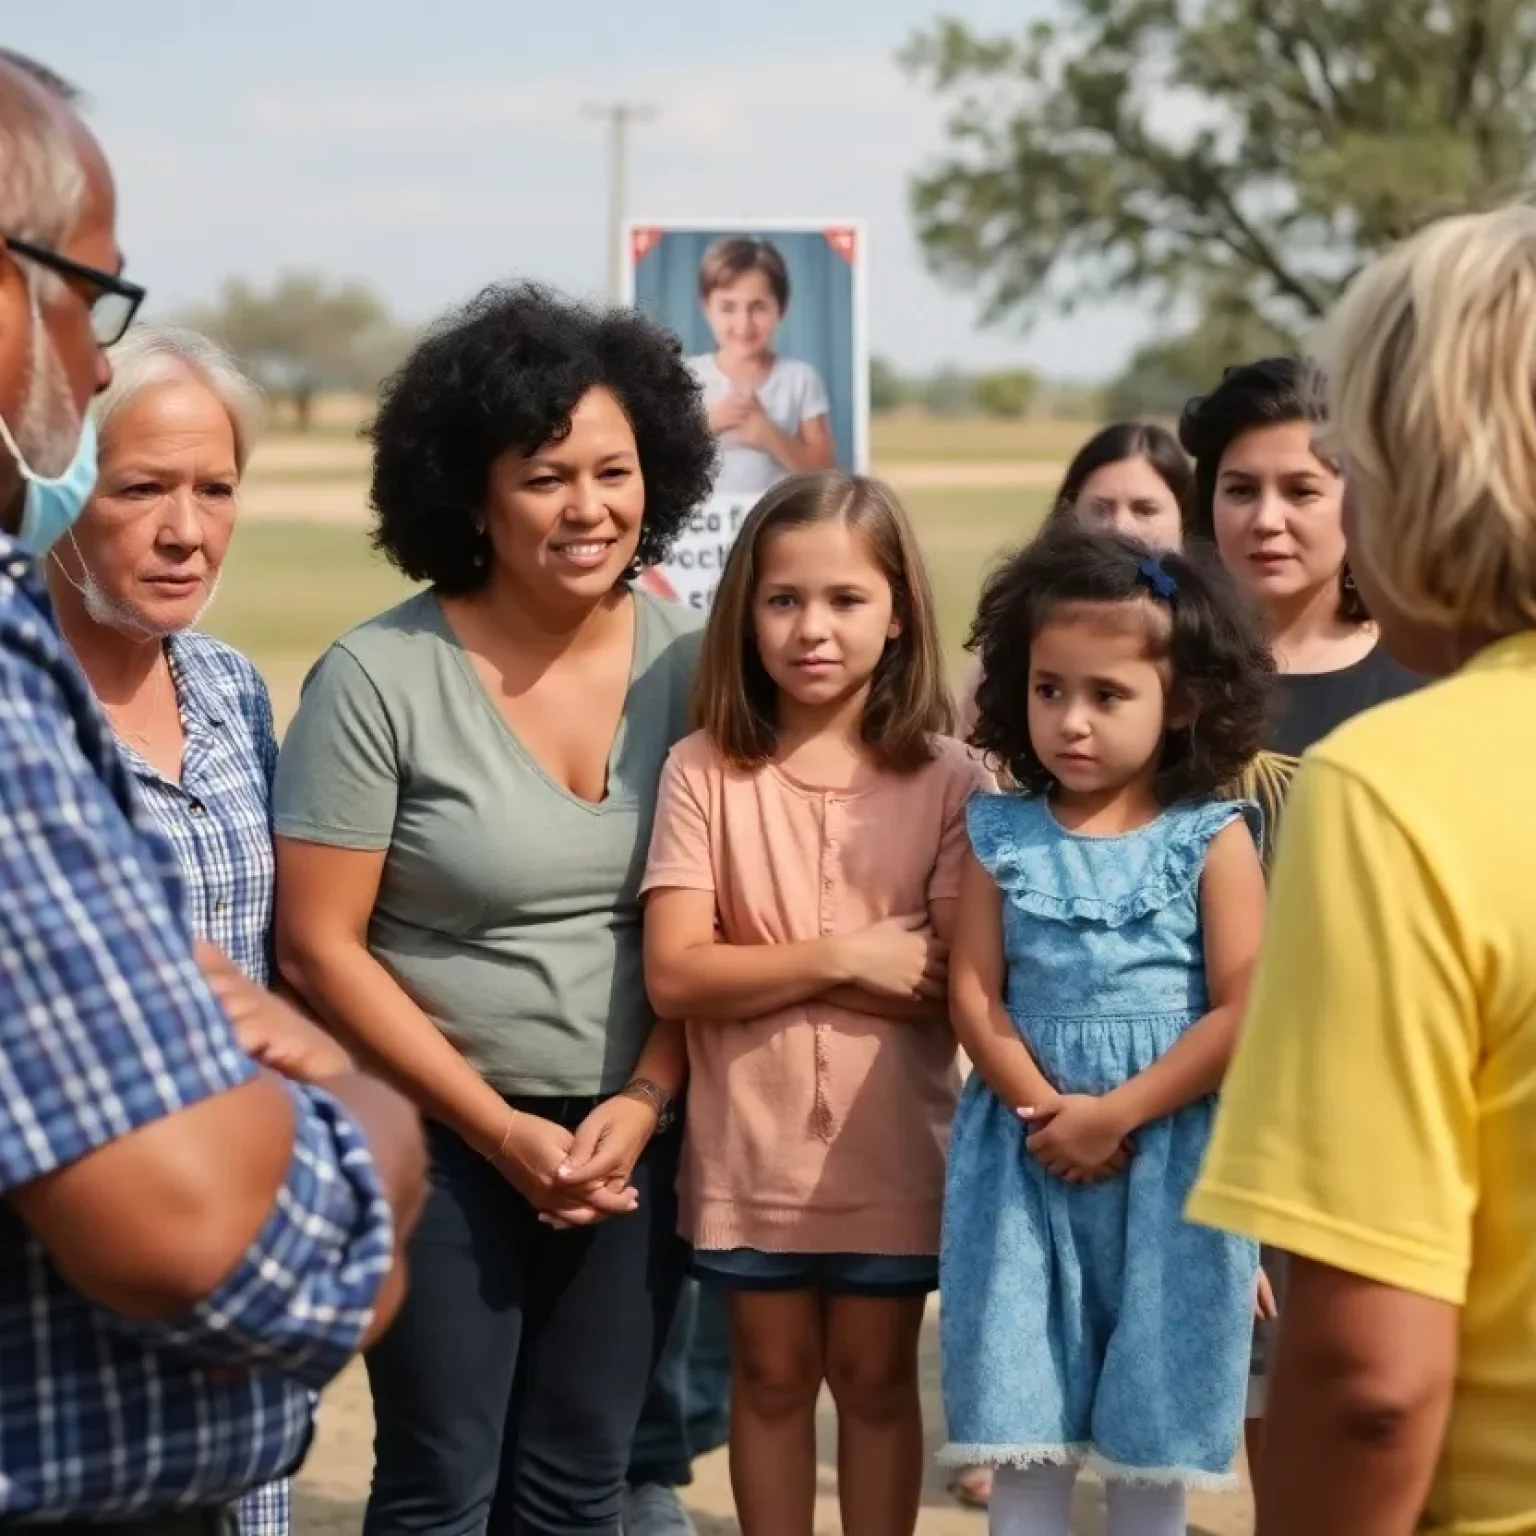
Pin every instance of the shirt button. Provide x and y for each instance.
(198, 808)
(222, 904)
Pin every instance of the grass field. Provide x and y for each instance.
(912, 434)
(290, 588)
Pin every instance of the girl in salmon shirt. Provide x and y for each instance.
(802, 880)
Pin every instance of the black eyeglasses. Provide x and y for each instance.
(112, 300)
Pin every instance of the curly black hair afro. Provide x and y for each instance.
(503, 374)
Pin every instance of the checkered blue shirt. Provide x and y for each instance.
(106, 1026)
(218, 819)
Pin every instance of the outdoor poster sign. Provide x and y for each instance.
(771, 316)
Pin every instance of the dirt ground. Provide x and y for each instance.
(334, 1485)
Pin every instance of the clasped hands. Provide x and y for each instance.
(1079, 1137)
(578, 1178)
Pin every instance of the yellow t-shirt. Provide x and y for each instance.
(1380, 1113)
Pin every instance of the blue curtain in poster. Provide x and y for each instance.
(818, 327)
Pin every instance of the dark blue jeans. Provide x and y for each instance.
(507, 1392)
(688, 1410)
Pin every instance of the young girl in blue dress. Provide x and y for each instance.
(1109, 919)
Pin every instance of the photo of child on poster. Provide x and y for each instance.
(771, 322)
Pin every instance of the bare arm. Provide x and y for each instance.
(692, 974)
(326, 896)
(1358, 1406)
(810, 448)
(151, 1223)
(901, 1010)
(664, 1061)
(1232, 904)
(977, 974)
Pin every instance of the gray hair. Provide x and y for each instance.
(42, 183)
(158, 354)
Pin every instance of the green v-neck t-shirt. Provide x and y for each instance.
(508, 908)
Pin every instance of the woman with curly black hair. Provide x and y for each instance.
(463, 806)
(1109, 918)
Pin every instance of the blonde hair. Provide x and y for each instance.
(1431, 360)
(735, 702)
(160, 354)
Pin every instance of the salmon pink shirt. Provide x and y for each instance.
(814, 1129)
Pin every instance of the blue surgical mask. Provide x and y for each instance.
(53, 506)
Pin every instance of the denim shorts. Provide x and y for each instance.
(837, 1274)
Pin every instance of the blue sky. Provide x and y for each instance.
(432, 146)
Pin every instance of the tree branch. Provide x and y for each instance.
(1469, 62)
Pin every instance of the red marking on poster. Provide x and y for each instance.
(843, 240)
(657, 584)
(642, 242)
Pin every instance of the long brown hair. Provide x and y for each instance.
(735, 702)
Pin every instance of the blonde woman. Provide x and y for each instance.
(1379, 1121)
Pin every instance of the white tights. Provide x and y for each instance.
(1037, 1501)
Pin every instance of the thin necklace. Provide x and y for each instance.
(141, 736)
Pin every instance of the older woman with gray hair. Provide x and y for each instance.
(192, 717)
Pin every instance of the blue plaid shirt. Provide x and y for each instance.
(218, 818)
(107, 1026)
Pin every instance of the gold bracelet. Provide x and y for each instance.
(501, 1151)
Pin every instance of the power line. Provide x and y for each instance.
(619, 115)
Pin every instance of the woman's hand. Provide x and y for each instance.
(531, 1159)
(603, 1154)
(900, 957)
(269, 1030)
(1078, 1137)
(1265, 1308)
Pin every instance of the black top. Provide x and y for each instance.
(1309, 706)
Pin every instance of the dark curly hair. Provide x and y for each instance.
(1203, 628)
(1267, 393)
(503, 374)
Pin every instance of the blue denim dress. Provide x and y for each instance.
(1091, 1323)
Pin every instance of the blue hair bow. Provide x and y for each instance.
(1151, 571)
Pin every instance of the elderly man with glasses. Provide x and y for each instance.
(194, 1234)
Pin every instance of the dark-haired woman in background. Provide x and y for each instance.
(463, 803)
(1274, 507)
(1131, 477)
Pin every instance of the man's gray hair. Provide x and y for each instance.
(159, 354)
(42, 182)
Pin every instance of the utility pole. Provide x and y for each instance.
(618, 115)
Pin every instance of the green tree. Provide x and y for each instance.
(303, 334)
(887, 388)
(948, 393)
(1162, 376)
(1008, 393)
(1253, 151)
